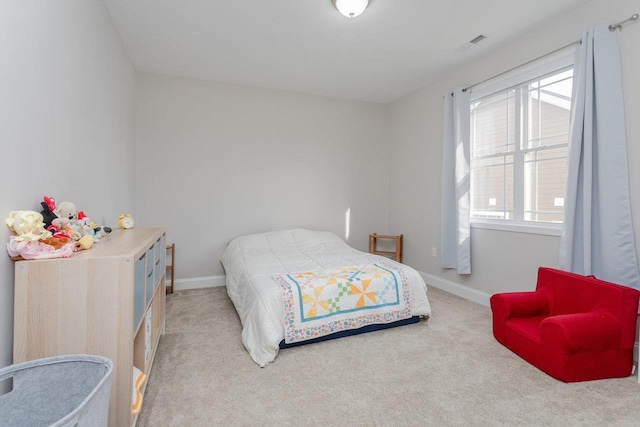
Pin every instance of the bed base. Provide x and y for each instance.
(362, 330)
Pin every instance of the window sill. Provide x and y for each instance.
(544, 228)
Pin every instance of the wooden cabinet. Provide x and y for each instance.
(109, 300)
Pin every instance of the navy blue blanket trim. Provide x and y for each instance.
(364, 329)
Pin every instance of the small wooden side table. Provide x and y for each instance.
(170, 267)
(373, 246)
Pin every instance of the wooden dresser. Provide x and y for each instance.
(109, 300)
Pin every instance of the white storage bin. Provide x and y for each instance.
(70, 390)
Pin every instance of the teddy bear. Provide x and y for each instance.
(65, 212)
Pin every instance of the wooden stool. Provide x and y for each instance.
(170, 267)
(373, 246)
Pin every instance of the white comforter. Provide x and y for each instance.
(251, 261)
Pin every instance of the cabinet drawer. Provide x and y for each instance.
(149, 286)
(150, 259)
(138, 292)
(163, 252)
(157, 271)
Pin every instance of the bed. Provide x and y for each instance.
(263, 269)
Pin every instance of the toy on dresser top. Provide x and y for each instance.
(56, 232)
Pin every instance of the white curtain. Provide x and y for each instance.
(455, 238)
(597, 235)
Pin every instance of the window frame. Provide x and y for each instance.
(554, 63)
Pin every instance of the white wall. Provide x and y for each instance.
(67, 119)
(217, 161)
(501, 261)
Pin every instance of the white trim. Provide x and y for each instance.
(198, 282)
(456, 289)
(544, 228)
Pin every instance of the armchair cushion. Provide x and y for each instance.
(573, 327)
(574, 333)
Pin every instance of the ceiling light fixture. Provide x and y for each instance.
(350, 8)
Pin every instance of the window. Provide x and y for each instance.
(519, 143)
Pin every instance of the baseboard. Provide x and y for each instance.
(198, 282)
(456, 289)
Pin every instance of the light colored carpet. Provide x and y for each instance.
(448, 370)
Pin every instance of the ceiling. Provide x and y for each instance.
(392, 49)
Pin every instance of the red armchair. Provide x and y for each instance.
(573, 327)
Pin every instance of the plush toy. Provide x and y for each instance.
(65, 212)
(57, 231)
(32, 241)
(100, 232)
(48, 206)
(28, 225)
(88, 227)
(28, 249)
(81, 224)
(56, 242)
(85, 242)
(72, 230)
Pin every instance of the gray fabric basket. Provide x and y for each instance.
(71, 390)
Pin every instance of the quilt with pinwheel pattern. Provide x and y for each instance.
(319, 303)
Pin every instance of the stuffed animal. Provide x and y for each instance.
(68, 222)
(28, 249)
(72, 230)
(81, 224)
(65, 212)
(85, 242)
(56, 242)
(48, 206)
(32, 241)
(99, 231)
(28, 225)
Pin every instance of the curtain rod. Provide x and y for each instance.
(612, 27)
(620, 24)
(522, 65)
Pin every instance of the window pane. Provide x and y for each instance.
(493, 124)
(536, 150)
(492, 188)
(549, 105)
(555, 78)
(545, 179)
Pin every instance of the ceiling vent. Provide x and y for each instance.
(471, 43)
(478, 39)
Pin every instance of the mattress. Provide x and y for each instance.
(252, 261)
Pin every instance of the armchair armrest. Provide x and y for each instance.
(520, 304)
(572, 333)
(516, 304)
